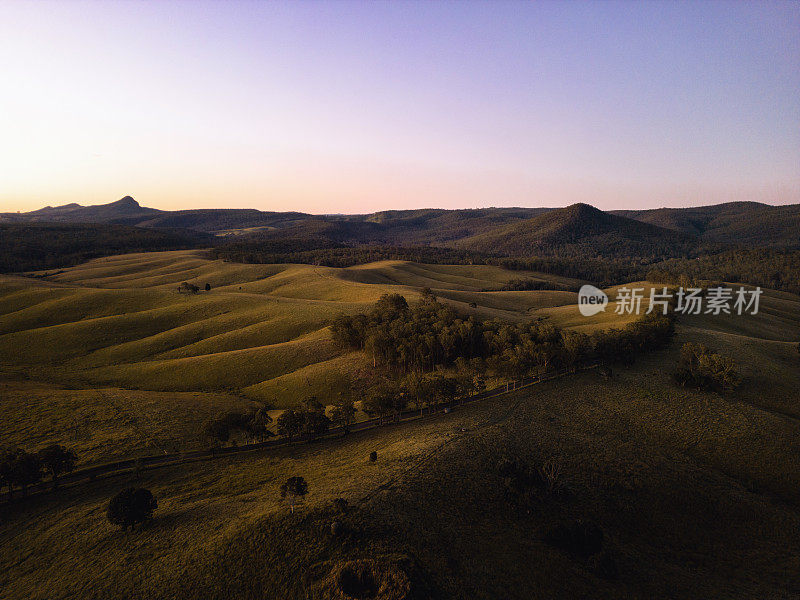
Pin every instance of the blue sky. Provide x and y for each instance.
(362, 106)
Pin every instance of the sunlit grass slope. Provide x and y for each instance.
(696, 493)
(103, 424)
(261, 330)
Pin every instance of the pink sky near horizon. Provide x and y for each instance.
(356, 107)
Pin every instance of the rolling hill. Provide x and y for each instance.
(120, 322)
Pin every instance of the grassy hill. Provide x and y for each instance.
(696, 495)
(261, 331)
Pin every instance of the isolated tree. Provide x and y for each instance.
(290, 423)
(130, 507)
(294, 490)
(26, 470)
(343, 413)
(187, 288)
(57, 460)
(208, 287)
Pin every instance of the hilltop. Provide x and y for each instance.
(125, 208)
(581, 228)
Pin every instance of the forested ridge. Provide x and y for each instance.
(35, 246)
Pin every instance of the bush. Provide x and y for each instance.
(131, 506)
(373, 456)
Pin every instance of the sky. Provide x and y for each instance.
(354, 107)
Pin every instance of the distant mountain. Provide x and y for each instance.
(503, 230)
(581, 230)
(125, 208)
(750, 223)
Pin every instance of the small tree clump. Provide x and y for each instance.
(130, 507)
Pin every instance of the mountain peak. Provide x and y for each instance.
(126, 202)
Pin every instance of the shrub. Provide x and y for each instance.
(131, 506)
(373, 456)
